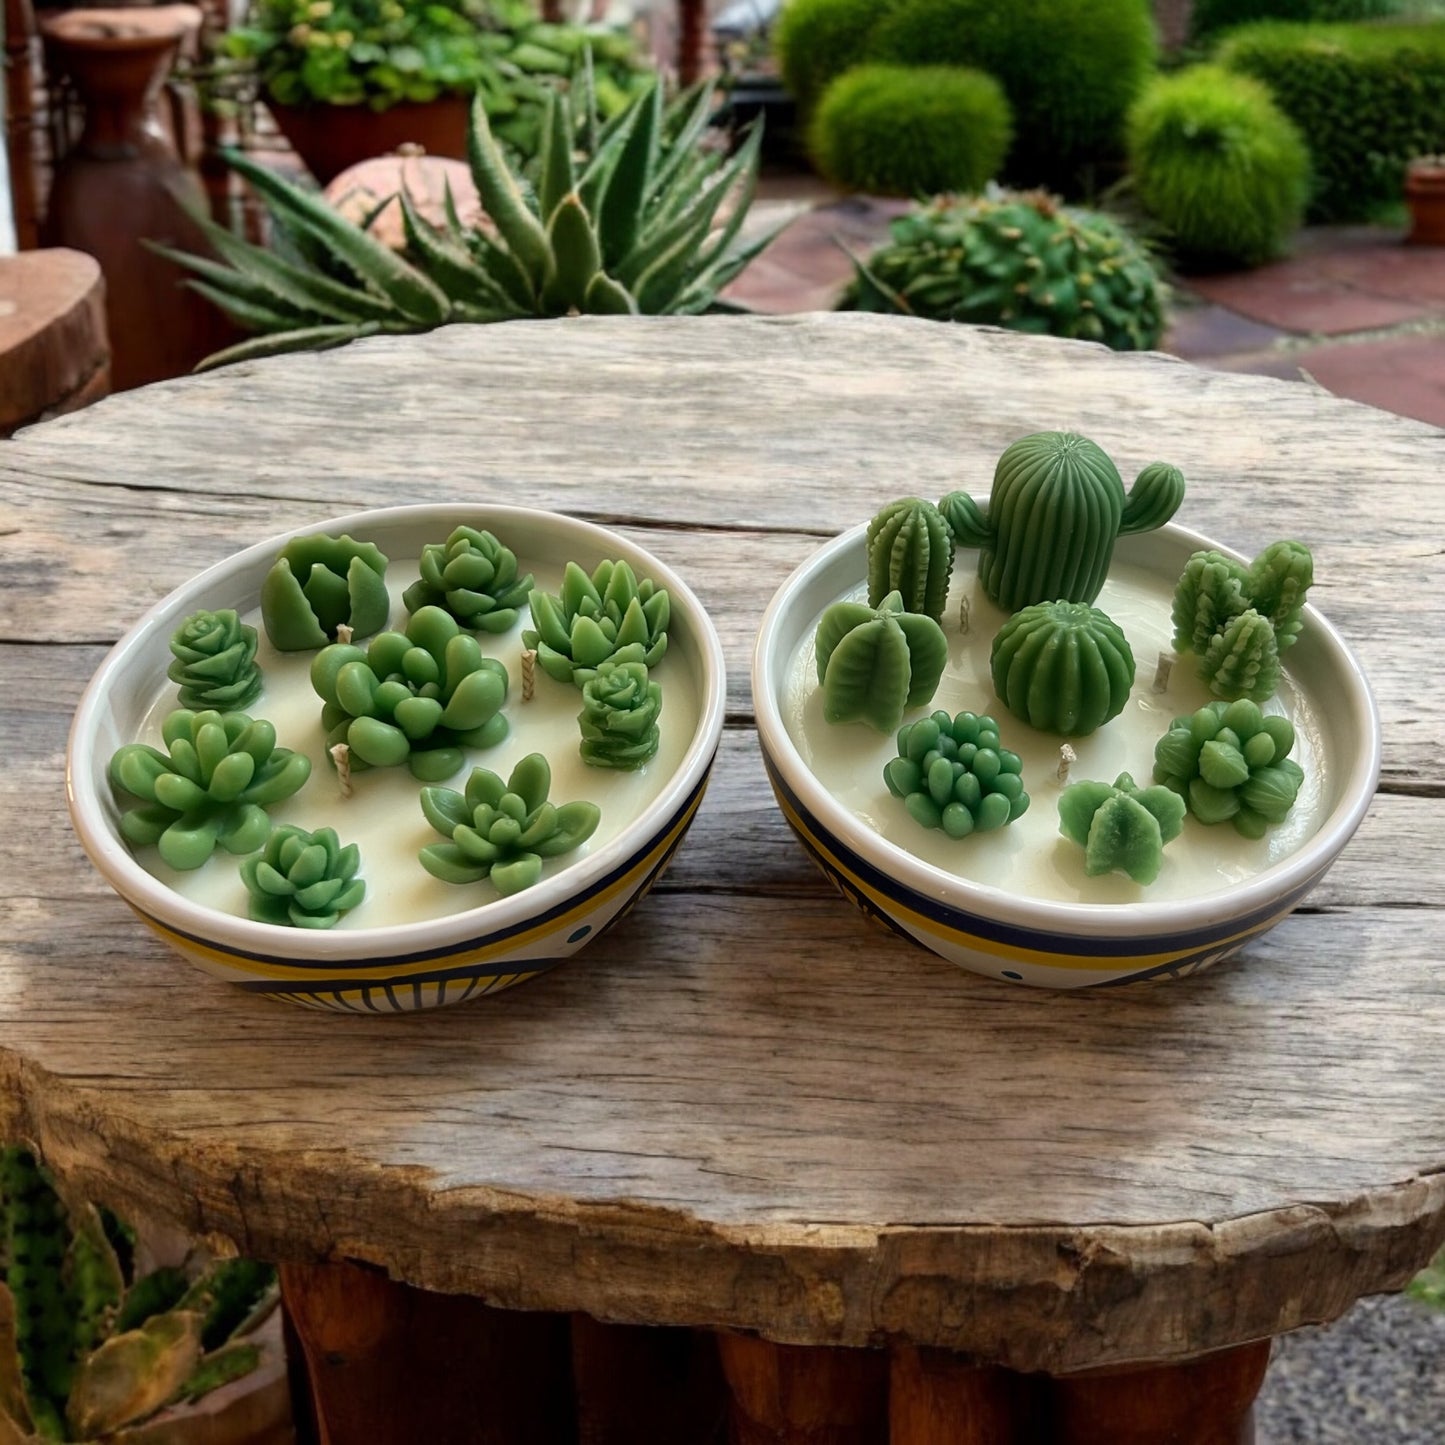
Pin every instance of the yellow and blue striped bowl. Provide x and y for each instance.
(411, 966)
(1044, 942)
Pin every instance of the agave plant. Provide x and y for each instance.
(626, 218)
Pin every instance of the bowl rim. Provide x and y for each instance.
(1292, 875)
(143, 891)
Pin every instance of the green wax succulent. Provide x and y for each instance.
(472, 576)
(215, 662)
(304, 880)
(1121, 826)
(1237, 620)
(220, 773)
(502, 831)
(416, 697)
(910, 551)
(874, 662)
(607, 617)
(1063, 667)
(952, 774)
(619, 716)
(1229, 761)
(319, 583)
(1057, 505)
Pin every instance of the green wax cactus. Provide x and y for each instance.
(952, 774)
(874, 662)
(502, 831)
(319, 583)
(1057, 505)
(910, 551)
(1229, 761)
(1063, 667)
(215, 662)
(304, 880)
(1121, 827)
(416, 697)
(472, 576)
(607, 617)
(213, 785)
(619, 716)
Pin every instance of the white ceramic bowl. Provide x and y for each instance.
(414, 965)
(1047, 942)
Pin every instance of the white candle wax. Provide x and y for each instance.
(383, 815)
(1029, 857)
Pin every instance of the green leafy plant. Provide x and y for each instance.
(620, 708)
(220, 773)
(1070, 69)
(1219, 165)
(215, 661)
(1210, 17)
(952, 774)
(626, 218)
(503, 831)
(472, 576)
(875, 662)
(1366, 98)
(87, 1347)
(607, 617)
(1121, 827)
(1016, 259)
(303, 880)
(320, 583)
(910, 551)
(910, 130)
(817, 40)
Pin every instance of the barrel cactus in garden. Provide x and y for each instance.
(1020, 260)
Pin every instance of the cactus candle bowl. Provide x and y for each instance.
(393, 808)
(1039, 696)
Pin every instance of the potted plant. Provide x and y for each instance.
(1425, 196)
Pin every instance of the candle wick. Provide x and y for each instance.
(963, 613)
(529, 673)
(1162, 670)
(343, 632)
(1067, 758)
(341, 756)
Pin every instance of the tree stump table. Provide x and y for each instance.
(750, 1167)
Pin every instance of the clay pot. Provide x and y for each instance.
(329, 138)
(360, 189)
(1425, 196)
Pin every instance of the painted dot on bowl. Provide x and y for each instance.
(579, 934)
(1009, 973)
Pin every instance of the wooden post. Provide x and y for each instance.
(934, 1399)
(795, 1395)
(20, 121)
(692, 23)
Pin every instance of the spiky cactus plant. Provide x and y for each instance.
(627, 218)
(910, 550)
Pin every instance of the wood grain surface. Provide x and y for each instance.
(748, 1108)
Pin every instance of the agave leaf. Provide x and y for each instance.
(231, 282)
(682, 142)
(455, 228)
(454, 271)
(499, 265)
(93, 1275)
(252, 315)
(574, 244)
(701, 295)
(559, 176)
(502, 199)
(307, 338)
(605, 297)
(377, 266)
(620, 206)
(13, 1405)
(132, 1375)
(718, 247)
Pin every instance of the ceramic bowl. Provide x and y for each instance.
(401, 966)
(1044, 941)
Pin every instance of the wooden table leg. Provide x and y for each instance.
(392, 1365)
(790, 1395)
(934, 1399)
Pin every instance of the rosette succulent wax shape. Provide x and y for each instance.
(607, 617)
(417, 697)
(1057, 505)
(502, 831)
(1121, 827)
(1063, 667)
(320, 583)
(220, 773)
(910, 551)
(1237, 620)
(874, 662)
(620, 707)
(215, 662)
(952, 774)
(1229, 762)
(472, 576)
(305, 880)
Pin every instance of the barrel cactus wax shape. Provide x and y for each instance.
(1057, 505)
(910, 550)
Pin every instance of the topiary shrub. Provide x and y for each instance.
(1217, 163)
(1019, 260)
(897, 131)
(1070, 68)
(1212, 16)
(817, 40)
(1366, 97)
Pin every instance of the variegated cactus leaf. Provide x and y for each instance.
(132, 1375)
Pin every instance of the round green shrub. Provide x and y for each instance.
(1366, 98)
(817, 40)
(1212, 16)
(1218, 164)
(1070, 69)
(896, 131)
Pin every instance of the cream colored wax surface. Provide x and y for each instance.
(1029, 856)
(383, 815)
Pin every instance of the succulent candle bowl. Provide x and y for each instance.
(449, 949)
(1024, 908)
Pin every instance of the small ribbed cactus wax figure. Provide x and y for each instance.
(1057, 505)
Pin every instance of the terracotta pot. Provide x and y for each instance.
(1425, 196)
(329, 138)
(359, 190)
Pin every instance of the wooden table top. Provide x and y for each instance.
(747, 1107)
